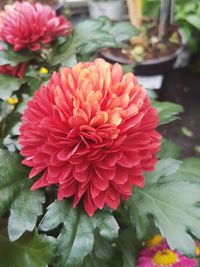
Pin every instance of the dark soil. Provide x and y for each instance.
(151, 47)
(183, 87)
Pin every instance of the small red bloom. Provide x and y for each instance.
(91, 130)
(26, 25)
(18, 70)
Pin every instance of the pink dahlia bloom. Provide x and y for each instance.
(26, 25)
(91, 131)
(163, 256)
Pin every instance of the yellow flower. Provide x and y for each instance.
(154, 241)
(13, 100)
(44, 70)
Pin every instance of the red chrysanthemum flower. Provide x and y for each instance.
(91, 130)
(26, 25)
(18, 70)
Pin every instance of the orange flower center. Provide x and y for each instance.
(165, 258)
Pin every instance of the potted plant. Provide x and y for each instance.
(113, 9)
(154, 51)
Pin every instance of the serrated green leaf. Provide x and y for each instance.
(169, 150)
(31, 250)
(76, 239)
(173, 205)
(24, 212)
(167, 111)
(8, 85)
(15, 194)
(189, 171)
(163, 168)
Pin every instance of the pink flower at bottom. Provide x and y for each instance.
(163, 256)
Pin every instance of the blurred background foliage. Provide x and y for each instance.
(187, 16)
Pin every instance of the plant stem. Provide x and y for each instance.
(166, 17)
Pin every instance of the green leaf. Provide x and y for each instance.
(128, 68)
(33, 82)
(194, 20)
(89, 36)
(8, 56)
(127, 245)
(15, 195)
(189, 171)
(93, 261)
(106, 224)
(198, 262)
(22, 105)
(34, 78)
(13, 179)
(102, 248)
(24, 212)
(173, 205)
(140, 222)
(167, 111)
(8, 85)
(163, 168)
(123, 31)
(29, 251)
(169, 150)
(9, 122)
(82, 34)
(76, 239)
